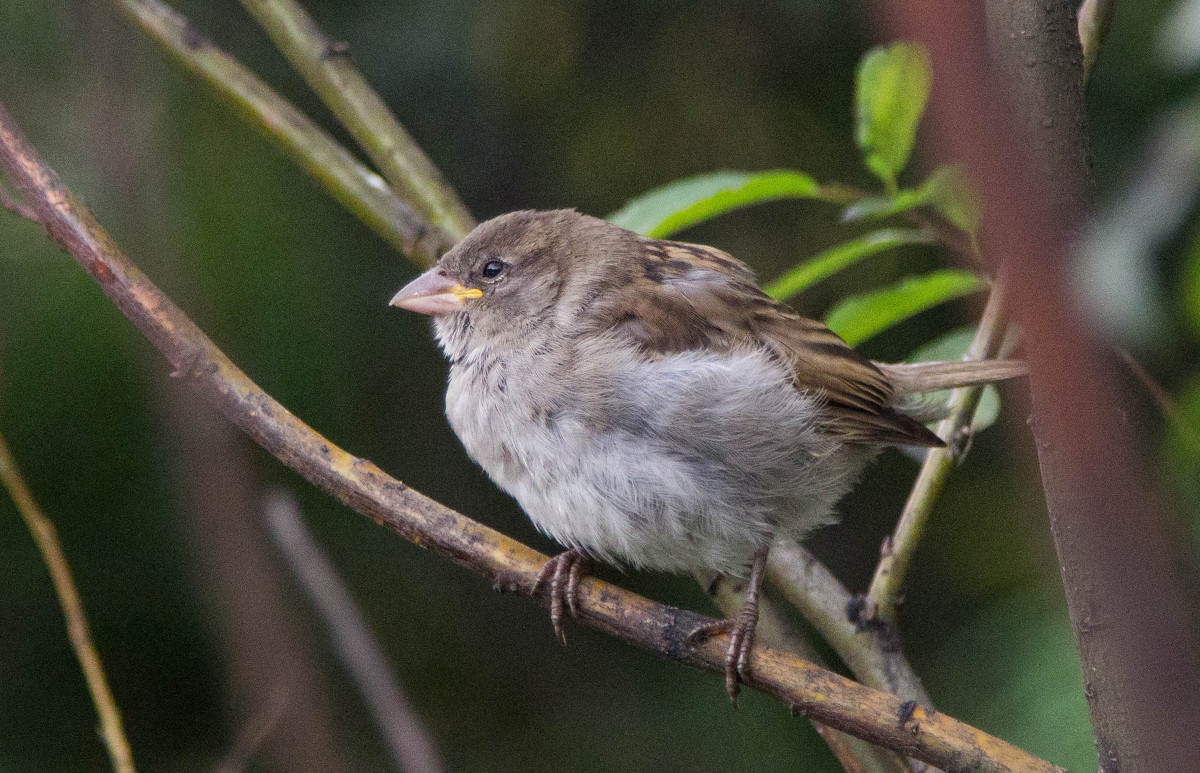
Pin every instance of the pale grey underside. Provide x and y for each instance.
(681, 462)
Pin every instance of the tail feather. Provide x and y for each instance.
(917, 377)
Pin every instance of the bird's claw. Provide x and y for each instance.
(561, 575)
(740, 630)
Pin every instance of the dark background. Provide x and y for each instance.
(521, 104)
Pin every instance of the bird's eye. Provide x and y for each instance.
(492, 269)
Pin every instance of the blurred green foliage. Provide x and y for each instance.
(686, 203)
(522, 104)
(890, 92)
(864, 316)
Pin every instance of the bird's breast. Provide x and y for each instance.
(507, 421)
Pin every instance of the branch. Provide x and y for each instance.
(350, 183)
(1019, 124)
(46, 537)
(326, 67)
(884, 594)
(833, 700)
(774, 630)
(411, 744)
(870, 648)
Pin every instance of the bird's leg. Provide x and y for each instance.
(739, 627)
(561, 576)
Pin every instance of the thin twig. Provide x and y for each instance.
(46, 537)
(353, 185)
(774, 630)
(833, 700)
(326, 67)
(1170, 409)
(410, 742)
(884, 594)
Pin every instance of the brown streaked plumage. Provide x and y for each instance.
(671, 306)
(646, 403)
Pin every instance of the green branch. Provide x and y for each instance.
(883, 596)
(351, 184)
(326, 67)
(78, 631)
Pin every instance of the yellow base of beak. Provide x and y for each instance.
(434, 293)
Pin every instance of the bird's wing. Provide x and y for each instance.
(687, 296)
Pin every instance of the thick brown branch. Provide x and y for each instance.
(833, 700)
(1019, 124)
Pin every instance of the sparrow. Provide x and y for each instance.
(648, 405)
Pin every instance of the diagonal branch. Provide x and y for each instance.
(326, 66)
(350, 183)
(775, 630)
(412, 746)
(78, 631)
(831, 699)
(870, 648)
(884, 594)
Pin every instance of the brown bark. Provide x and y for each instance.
(1119, 552)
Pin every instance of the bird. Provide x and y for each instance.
(649, 406)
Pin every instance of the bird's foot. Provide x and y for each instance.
(560, 576)
(740, 630)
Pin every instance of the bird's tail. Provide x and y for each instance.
(918, 377)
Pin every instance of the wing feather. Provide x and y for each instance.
(688, 296)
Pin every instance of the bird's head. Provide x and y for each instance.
(515, 278)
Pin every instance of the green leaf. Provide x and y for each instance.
(947, 190)
(879, 207)
(685, 203)
(891, 89)
(862, 316)
(952, 346)
(950, 192)
(841, 256)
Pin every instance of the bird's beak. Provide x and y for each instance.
(434, 293)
